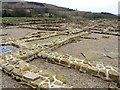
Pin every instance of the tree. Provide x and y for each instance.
(50, 15)
(6, 13)
(20, 12)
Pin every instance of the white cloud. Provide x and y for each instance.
(86, 5)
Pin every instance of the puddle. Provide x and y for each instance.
(6, 49)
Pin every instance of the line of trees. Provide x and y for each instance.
(46, 12)
(16, 13)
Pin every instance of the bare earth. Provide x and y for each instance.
(90, 48)
(73, 77)
(96, 51)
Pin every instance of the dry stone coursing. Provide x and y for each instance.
(59, 59)
(103, 72)
(29, 75)
(14, 63)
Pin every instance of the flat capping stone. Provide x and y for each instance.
(31, 76)
(8, 67)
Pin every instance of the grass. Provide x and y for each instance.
(42, 18)
(24, 18)
(17, 18)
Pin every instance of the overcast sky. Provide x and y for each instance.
(85, 5)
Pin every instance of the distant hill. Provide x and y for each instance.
(11, 0)
(24, 9)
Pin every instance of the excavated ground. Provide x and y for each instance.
(73, 77)
(103, 50)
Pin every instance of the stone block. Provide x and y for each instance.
(92, 70)
(23, 57)
(61, 78)
(58, 83)
(72, 65)
(37, 82)
(44, 56)
(114, 75)
(8, 68)
(3, 63)
(35, 69)
(102, 73)
(50, 59)
(17, 72)
(84, 67)
(51, 79)
(64, 62)
(26, 68)
(45, 85)
(39, 54)
(31, 76)
(56, 60)
(14, 61)
(77, 65)
(46, 73)
(105, 36)
(22, 64)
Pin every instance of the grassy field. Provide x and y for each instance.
(16, 18)
(24, 18)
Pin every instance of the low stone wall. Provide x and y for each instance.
(107, 33)
(34, 51)
(40, 37)
(30, 75)
(104, 72)
(70, 39)
(15, 62)
(47, 28)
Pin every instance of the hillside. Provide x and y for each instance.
(24, 9)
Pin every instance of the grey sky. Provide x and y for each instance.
(85, 5)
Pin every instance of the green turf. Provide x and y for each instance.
(24, 18)
(17, 18)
